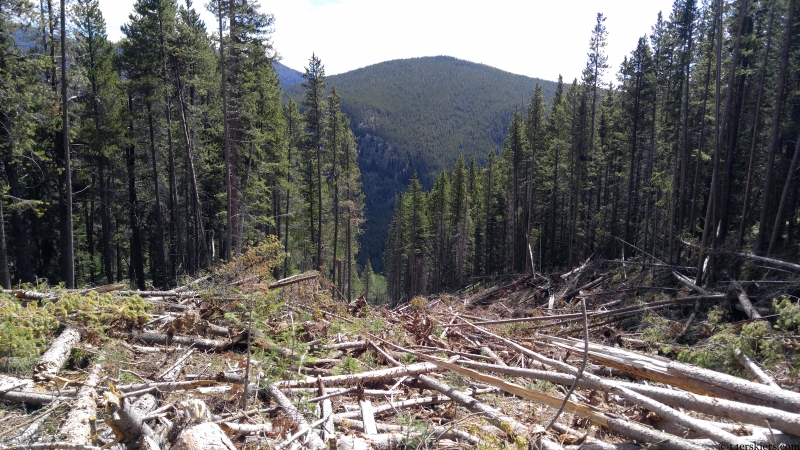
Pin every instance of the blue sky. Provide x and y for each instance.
(537, 38)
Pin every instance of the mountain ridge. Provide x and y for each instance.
(418, 115)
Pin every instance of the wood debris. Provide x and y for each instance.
(489, 368)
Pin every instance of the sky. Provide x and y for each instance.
(537, 38)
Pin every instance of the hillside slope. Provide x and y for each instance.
(418, 115)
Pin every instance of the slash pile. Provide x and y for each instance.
(609, 355)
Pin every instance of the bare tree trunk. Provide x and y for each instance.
(198, 205)
(136, 257)
(750, 165)
(226, 143)
(5, 276)
(776, 229)
(773, 137)
(68, 243)
(159, 218)
(707, 228)
(725, 125)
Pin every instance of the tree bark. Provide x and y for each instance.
(313, 439)
(54, 358)
(76, 428)
(773, 136)
(204, 436)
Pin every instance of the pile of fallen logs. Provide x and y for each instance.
(522, 365)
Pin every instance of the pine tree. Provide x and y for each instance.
(313, 102)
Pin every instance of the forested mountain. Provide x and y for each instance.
(156, 157)
(689, 157)
(419, 115)
(287, 75)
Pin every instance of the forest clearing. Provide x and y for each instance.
(666, 364)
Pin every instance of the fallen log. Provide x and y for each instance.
(363, 377)
(299, 278)
(313, 440)
(691, 378)
(740, 412)
(573, 317)
(659, 408)
(102, 289)
(76, 429)
(586, 286)
(326, 412)
(54, 358)
(744, 301)
(51, 446)
(151, 338)
(246, 429)
(507, 424)
(775, 262)
(751, 367)
(393, 406)
(436, 432)
(33, 295)
(206, 436)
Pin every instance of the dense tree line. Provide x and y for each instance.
(157, 156)
(691, 152)
(418, 115)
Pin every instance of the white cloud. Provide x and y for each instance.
(532, 37)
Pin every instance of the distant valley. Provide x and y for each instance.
(418, 115)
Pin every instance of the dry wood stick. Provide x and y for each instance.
(149, 337)
(438, 431)
(744, 301)
(364, 377)
(507, 424)
(51, 445)
(294, 279)
(490, 353)
(392, 407)
(751, 367)
(656, 407)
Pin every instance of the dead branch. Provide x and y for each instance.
(751, 367)
(744, 301)
(438, 432)
(294, 279)
(507, 424)
(391, 407)
(149, 337)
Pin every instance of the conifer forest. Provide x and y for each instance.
(165, 153)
